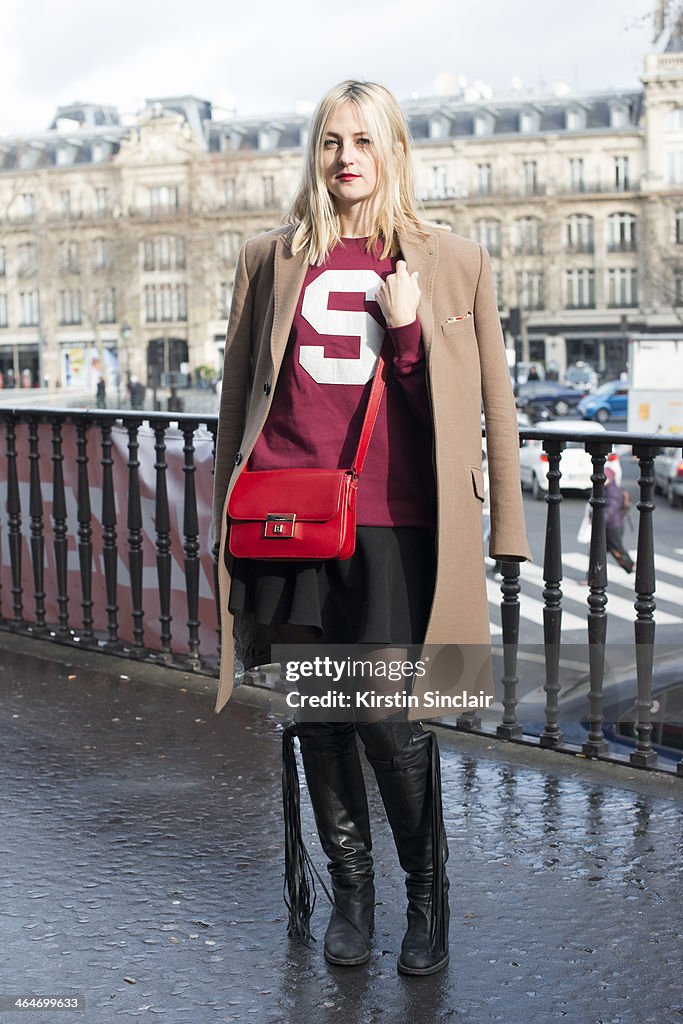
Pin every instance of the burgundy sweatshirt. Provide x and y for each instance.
(322, 392)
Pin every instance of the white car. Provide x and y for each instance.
(669, 475)
(576, 464)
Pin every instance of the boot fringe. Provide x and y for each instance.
(299, 885)
(438, 933)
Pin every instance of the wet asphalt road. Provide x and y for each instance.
(141, 850)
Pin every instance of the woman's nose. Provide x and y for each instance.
(345, 154)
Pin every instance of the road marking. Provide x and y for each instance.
(532, 610)
(616, 576)
(619, 607)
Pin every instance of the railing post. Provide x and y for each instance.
(510, 728)
(14, 521)
(644, 756)
(163, 532)
(596, 744)
(191, 545)
(215, 548)
(552, 595)
(59, 527)
(37, 529)
(109, 545)
(84, 526)
(134, 524)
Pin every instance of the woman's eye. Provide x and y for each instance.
(364, 142)
(329, 142)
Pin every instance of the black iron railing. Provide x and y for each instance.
(102, 548)
(105, 543)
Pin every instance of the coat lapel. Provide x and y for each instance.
(421, 254)
(289, 273)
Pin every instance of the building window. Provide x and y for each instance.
(621, 179)
(487, 231)
(527, 236)
(229, 246)
(101, 200)
(230, 191)
(106, 307)
(484, 179)
(165, 302)
(268, 190)
(165, 252)
(27, 259)
(576, 178)
(163, 199)
(675, 166)
(575, 119)
(439, 182)
(529, 121)
(70, 307)
(678, 288)
(618, 116)
(675, 120)
(29, 309)
(100, 254)
(580, 289)
(678, 227)
(3, 265)
(65, 203)
(224, 297)
(622, 287)
(530, 177)
(68, 257)
(4, 322)
(530, 289)
(483, 123)
(621, 232)
(27, 205)
(498, 288)
(579, 233)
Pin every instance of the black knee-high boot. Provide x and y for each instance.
(406, 762)
(337, 790)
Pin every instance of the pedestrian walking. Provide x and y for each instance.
(356, 287)
(101, 394)
(616, 510)
(617, 506)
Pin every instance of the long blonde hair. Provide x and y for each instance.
(313, 210)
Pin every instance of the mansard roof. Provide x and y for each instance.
(85, 133)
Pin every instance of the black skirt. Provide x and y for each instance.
(381, 595)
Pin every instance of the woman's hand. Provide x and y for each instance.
(399, 296)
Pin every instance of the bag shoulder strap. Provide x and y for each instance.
(376, 392)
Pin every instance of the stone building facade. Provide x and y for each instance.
(118, 236)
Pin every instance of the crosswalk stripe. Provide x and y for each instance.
(670, 565)
(531, 609)
(619, 607)
(665, 591)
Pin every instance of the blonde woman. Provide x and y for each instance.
(312, 304)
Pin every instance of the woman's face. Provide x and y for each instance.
(349, 161)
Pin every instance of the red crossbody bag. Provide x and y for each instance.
(302, 514)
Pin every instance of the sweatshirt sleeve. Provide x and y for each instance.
(408, 366)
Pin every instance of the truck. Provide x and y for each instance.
(655, 378)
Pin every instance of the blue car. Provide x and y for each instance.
(610, 401)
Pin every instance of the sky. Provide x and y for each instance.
(269, 56)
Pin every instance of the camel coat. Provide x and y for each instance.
(466, 366)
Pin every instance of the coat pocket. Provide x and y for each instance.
(478, 482)
(451, 327)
